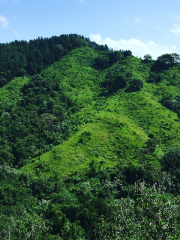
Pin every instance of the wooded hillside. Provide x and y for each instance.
(89, 142)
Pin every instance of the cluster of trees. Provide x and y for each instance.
(124, 202)
(107, 59)
(163, 62)
(35, 124)
(166, 67)
(118, 78)
(166, 61)
(172, 103)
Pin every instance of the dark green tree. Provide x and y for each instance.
(147, 58)
(135, 85)
(166, 61)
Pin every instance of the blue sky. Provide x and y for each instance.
(142, 26)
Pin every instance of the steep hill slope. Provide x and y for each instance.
(116, 120)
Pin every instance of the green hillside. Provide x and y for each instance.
(113, 126)
(89, 142)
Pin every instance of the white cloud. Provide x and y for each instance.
(137, 47)
(82, 1)
(176, 29)
(3, 21)
(136, 19)
(16, 1)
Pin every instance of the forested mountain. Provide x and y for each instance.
(89, 142)
(19, 58)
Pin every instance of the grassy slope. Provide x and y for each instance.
(119, 124)
(11, 91)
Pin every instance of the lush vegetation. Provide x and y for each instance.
(89, 142)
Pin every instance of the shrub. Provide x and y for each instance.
(135, 85)
(85, 137)
(171, 163)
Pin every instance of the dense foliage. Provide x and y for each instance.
(19, 58)
(99, 204)
(88, 142)
(38, 122)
